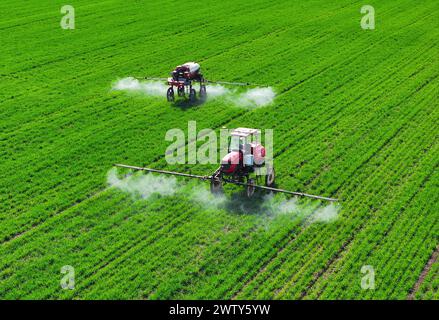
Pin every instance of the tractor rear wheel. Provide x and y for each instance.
(250, 187)
(170, 95)
(192, 95)
(216, 185)
(203, 93)
(270, 177)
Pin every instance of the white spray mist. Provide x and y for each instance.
(256, 97)
(252, 98)
(151, 88)
(325, 214)
(143, 185)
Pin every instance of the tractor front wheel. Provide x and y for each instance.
(170, 95)
(203, 93)
(216, 186)
(270, 177)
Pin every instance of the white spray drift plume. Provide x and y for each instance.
(272, 207)
(152, 88)
(207, 199)
(279, 206)
(252, 98)
(256, 97)
(215, 91)
(325, 214)
(143, 185)
(127, 84)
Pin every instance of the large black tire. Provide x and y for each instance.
(203, 93)
(250, 187)
(270, 177)
(192, 95)
(216, 186)
(180, 91)
(170, 95)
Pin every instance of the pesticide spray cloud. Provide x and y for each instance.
(325, 214)
(257, 97)
(143, 186)
(207, 199)
(268, 207)
(215, 91)
(252, 98)
(150, 88)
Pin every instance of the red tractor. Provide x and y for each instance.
(246, 157)
(182, 78)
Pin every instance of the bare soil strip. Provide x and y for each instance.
(424, 273)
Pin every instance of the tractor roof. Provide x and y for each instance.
(245, 132)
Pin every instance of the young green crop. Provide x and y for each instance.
(355, 116)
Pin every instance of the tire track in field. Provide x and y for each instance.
(425, 271)
(407, 244)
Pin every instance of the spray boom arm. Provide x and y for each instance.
(187, 175)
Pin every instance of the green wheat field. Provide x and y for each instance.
(355, 117)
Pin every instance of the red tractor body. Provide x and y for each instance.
(246, 155)
(182, 78)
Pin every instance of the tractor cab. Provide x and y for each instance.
(247, 142)
(245, 152)
(246, 157)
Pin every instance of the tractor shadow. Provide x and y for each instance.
(239, 203)
(186, 104)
